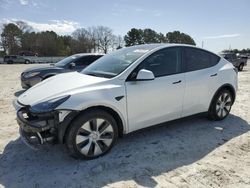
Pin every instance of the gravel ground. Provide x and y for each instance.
(194, 152)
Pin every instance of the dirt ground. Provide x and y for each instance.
(194, 152)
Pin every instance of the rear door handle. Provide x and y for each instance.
(213, 75)
(177, 82)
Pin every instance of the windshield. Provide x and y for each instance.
(66, 60)
(116, 62)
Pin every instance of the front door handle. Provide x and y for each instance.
(177, 82)
(213, 75)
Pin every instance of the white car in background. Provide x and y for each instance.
(129, 89)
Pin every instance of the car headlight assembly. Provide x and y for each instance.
(49, 105)
(31, 74)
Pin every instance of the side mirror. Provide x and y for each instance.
(144, 75)
(72, 65)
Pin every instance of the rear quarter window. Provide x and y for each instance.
(197, 59)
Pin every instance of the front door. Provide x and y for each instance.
(159, 100)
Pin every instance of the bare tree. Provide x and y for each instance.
(82, 41)
(25, 27)
(103, 37)
(118, 42)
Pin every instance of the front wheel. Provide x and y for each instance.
(221, 105)
(92, 134)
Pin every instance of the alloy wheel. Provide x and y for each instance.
(223, 105)
(94, 137)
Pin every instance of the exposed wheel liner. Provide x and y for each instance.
(65, 125)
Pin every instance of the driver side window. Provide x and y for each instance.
(163, 62)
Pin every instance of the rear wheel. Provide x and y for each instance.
(92, 134)
(27, 62)
(241, 66)
(221, 105)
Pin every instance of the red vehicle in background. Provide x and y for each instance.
(27, 53)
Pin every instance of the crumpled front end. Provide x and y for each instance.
(37, 129)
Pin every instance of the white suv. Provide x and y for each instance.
(129, 89)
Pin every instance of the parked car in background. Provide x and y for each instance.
(237, 61)
(76, 62)
(11, 59)
(27, 53)
(124, 91)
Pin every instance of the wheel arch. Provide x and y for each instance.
(74, 114)
(224, 86)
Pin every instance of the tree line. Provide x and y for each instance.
(19, 36)
(236, 51)
(145, 36)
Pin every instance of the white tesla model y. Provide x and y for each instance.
(129, 89)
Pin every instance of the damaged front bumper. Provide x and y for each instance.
(37, 129)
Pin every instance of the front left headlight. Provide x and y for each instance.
(49, 105)
(31, 74)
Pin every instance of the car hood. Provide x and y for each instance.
(41, 68)
(59, 85)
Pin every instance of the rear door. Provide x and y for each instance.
(201, 74)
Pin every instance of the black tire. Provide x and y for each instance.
(221, 105)
(10, 62)
(80, 138)
(27, 62)
(241, 66)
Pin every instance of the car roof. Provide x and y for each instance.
(156, 46)
(160, 45)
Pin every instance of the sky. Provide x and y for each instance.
(217, 24)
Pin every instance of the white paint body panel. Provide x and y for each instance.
(155, 101)
(145, 103)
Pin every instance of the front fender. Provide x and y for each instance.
(112, 97)
(63, 126)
